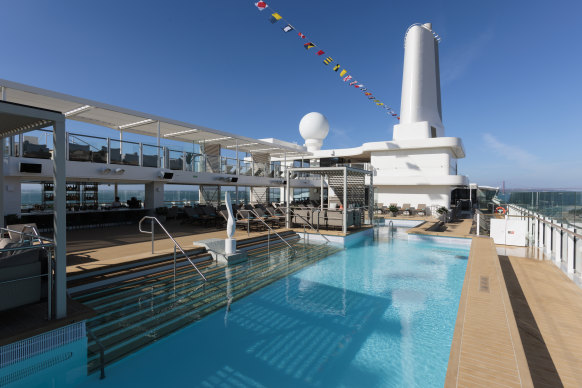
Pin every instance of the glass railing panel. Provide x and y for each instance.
(151, 155)
(124, 152)
(195, 162)
(228, 165)
(83, 148)
(260, 169)
(562, 206)
(176, 160)
(37, 144)
(244, 168)
(213, 164)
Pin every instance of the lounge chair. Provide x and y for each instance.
(249, 219)
(405, 209)
(421, 209)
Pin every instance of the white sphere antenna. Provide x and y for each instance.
(314, 128)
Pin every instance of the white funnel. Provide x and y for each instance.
(420, 110)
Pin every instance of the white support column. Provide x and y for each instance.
(287, 199)
(570, 251)
(237, 169)
(3, 93)
(158, 144)
(321, 194)
(60, 218)
(345, 213)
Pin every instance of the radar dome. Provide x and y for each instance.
(313, 127)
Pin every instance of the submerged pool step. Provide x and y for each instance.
(178, 319)
(126, 327)
(161, 301)
(145, 334)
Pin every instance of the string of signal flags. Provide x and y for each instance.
(345, 76)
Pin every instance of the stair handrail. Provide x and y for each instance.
(271, 229)
(101, 352)
(308, 223)
(176, 245)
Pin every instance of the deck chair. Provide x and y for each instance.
(405, 209)
(250, 219)
(421, 209)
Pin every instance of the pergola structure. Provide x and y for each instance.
(348, 184)
(16, 119)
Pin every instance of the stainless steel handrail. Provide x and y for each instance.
(101, 352)
(171, 238)
(271, 229)
(307, 222)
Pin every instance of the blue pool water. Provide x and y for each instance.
(379, 314)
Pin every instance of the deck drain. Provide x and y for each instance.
(484, 283)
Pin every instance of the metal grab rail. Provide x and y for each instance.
(307, 222)
(171, 238)
(271, 230)
(101, 352)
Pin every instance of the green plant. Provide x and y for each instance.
(442, 210)
(162, 211)
(393, 209)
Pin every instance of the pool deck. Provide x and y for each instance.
(519, 321)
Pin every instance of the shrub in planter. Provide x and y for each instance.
(393, 210)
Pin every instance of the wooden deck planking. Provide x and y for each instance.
(486, 350)
(556, 304)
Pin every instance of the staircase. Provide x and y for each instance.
(135, 312)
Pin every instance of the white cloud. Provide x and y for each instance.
(511, 152)
(458, 62)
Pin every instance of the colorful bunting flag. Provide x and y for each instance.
(275, 17)
(261, 5)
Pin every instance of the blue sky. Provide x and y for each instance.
(510, 71)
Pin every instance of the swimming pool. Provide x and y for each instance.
(380, 313)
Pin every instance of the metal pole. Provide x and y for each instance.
(237, 161)
(158, 144)
(50, 284)
(269, 244)
(287, 199)
(152, 221)
(345, 215)
(174, 262)
(60, 217)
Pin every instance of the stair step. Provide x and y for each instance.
(133, 313)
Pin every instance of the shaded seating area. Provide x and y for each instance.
(351, 203)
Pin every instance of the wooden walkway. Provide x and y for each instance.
(486, 350)
(519, 322)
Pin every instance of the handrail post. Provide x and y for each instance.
(269, 244)
(152, 220)
(174, 261)
(50, 284)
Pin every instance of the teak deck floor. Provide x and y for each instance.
(519, 322)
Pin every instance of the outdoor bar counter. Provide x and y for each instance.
(83, 218)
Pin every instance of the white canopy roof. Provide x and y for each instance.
(127, 120)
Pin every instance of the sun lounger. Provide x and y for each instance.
(421, 209)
